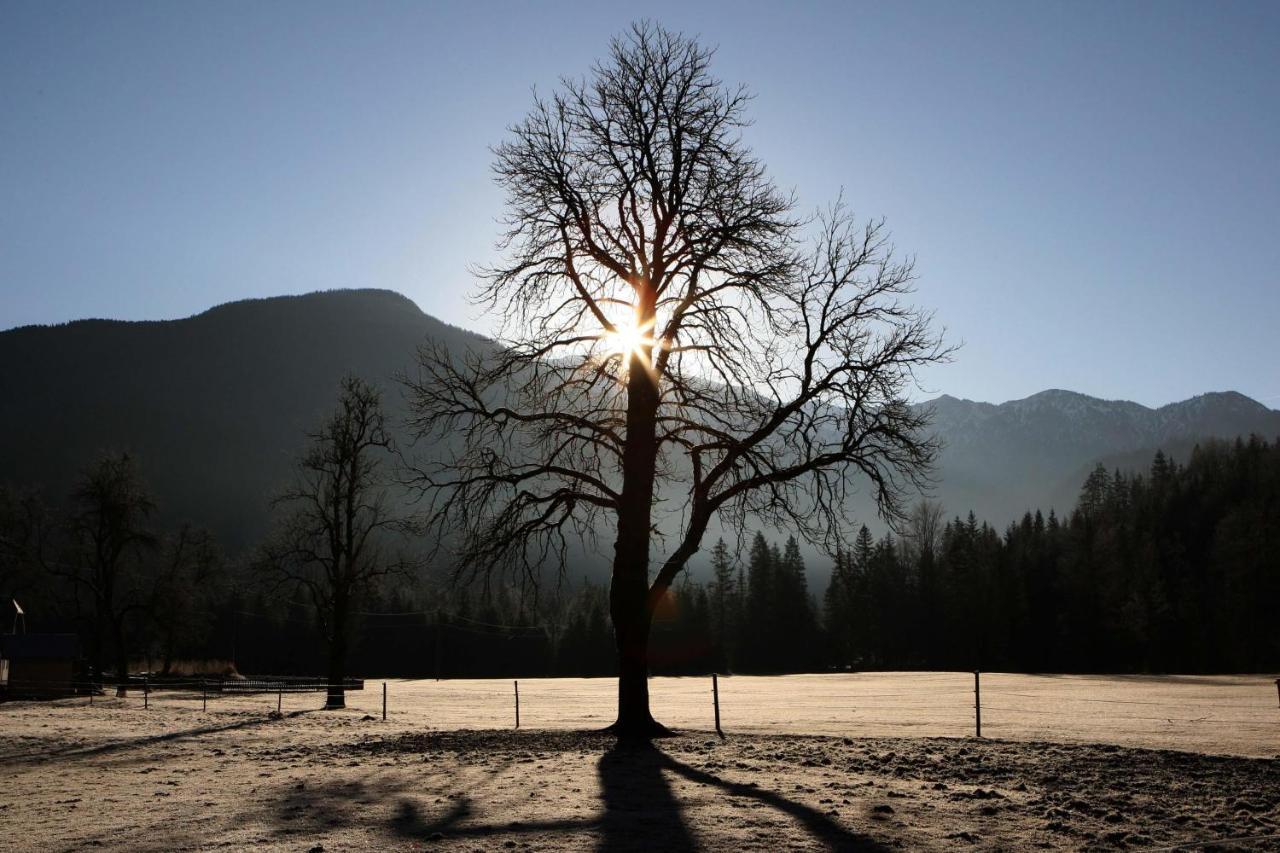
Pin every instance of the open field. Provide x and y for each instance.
(1227, 714)
(875, 761)
(1237, 715)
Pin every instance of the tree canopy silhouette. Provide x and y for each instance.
(676, 345)
(336, 518)
(110, 536)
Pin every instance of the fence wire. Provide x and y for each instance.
(1231, 714)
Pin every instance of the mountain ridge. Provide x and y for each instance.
(1033, 452)
(216, 406)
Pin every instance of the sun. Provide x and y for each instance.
(626, 339)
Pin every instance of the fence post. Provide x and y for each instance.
(1278, 689)
(384, 701)
(439, 641)
(977, 703)
(517, 684)
(146, 692)
(204, 695)
(279, 696)
(715, 699)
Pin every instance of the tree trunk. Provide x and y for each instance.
(99, 661)
(629, 610)
(122, 662)
(168, 652)
(337, 695)
(629, 605)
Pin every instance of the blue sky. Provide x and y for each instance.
(1092, 191)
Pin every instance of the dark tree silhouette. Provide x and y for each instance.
(187, 578)
(109, 541)
(331, 541)
(28, 530)
(676, 345)
(722, 592)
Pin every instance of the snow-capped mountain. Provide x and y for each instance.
(1002, 459)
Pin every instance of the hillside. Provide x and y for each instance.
(216, 406)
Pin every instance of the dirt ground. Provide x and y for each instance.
(172, 776)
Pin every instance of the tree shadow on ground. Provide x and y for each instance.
(821, 828)
(73, 752)
(641, 810)
(1154, 678)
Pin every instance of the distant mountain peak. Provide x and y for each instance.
(1058, 394)
(1061, 398)
(1233, 399)
(370, 296)
(948, 400)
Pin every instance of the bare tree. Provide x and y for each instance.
(331, 540)
(186, 578)
(923, 531)
(118, 572)
(110, 541)
(676, 345)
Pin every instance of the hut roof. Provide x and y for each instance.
(31, 646)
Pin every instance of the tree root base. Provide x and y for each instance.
(639, 730)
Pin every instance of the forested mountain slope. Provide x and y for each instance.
(216, 406)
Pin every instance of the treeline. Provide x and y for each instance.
(96, 564)
(1176, 569)
(1173, 570)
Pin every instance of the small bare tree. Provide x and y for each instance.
(118, 572)
(676, 346)
(110, 540)
(187, 576)
(922, 536)
(331, 540)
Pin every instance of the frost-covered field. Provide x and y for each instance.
(1231, 714)
(872, 761)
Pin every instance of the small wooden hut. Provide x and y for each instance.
(38, 665)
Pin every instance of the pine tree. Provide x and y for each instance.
(760, 652)
(862, 548)
(1093, 495)
(862, 606)
(838, 615)
(797, 629)
(722, 601)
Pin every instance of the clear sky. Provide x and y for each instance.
(1092, 190)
